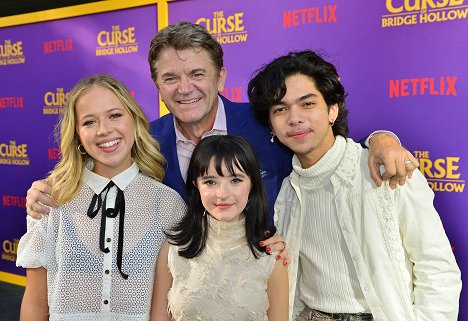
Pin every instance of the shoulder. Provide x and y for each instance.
(353, 164)
(241, 110)
(167, 193)
(286, 201)
(162, 125)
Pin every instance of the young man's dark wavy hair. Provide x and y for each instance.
(233, 152)
(267, 88)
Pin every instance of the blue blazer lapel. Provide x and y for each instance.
(235, 118)
(166, 137)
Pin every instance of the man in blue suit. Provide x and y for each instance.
(187, 67)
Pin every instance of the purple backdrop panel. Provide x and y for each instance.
(40, 63)
(403, 65)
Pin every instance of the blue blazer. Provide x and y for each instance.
(274, 158)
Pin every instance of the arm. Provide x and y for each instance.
(38, 198)
(278, 292)
(162, 284)
(436, 276)
(385, 150)
(34, 306)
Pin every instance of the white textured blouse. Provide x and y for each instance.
(226, 282)
(84, 283)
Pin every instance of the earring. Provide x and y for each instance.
(204, 213)
(82, 152)
(332, 123)
(272, 139)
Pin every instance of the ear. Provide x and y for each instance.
(333, 112)
(222, 79)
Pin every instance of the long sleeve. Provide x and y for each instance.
(436, 275)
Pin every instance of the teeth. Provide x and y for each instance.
(189, 101)
(109, 144)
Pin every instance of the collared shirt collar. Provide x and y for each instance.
(122, 180)
(219, 126)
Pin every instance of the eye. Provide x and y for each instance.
(169, 80)
(209, 182)
(278, 109)
(116, 115)
(88, 123)
(198, 75)
(308, 104)
(236, 180)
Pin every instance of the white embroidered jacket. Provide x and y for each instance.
(403, 259)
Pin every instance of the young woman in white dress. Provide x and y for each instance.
(213, 266)
(94, 256)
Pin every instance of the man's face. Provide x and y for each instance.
(302, 120)
(189, 83)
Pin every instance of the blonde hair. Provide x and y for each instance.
(66, 177)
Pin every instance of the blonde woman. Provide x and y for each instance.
(94, 257)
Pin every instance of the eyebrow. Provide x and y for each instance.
(282, 102)
(197, 70)
(241, 174)
(171, 74)
(306, 96)
(107, 111)
(167, 74)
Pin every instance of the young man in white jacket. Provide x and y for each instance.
(358, 252)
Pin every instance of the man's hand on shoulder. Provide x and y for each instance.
(399, 163)
(38, 199)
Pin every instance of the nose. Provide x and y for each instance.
(104, 129)
(185, 85)
(294, 116)
(222, 192)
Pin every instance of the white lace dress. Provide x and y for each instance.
(226, 282)
(84, 283)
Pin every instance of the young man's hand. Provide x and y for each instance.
(399, 163)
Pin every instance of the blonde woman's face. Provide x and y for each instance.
(106, 131)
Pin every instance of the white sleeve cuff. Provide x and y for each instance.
(387, 132)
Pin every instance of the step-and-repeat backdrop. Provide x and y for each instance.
(402, 62)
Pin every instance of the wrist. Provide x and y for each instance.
(381, 133)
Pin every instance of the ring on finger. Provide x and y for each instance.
(408, 162)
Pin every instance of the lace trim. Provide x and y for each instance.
(391, 237)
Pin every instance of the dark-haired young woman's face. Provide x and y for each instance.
(224, 196)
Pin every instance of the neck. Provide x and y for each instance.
(194, 131)
(312, 157)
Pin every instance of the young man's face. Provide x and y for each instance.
(189, 83)
(302, 120)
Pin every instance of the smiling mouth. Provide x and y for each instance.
(298, 134)
(109, 144)
(186, 102)
(223, 205)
